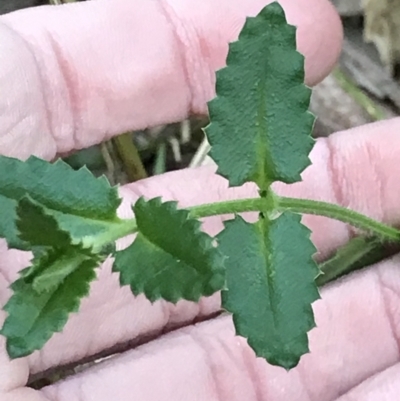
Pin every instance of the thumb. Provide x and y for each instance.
(77, 74)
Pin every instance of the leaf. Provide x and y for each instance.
(51, 287)
(260, 127)
(64, 277)
(82, 204)
(54, 275)
(170, 257)
(42, 227)
(37, 227)
(270, 281)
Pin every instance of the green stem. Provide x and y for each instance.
(121, 229)
(307, 206)
(303, 206)
(227, 207)
(265, 205)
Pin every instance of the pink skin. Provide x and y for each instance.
(75, 75)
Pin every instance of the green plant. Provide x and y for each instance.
(259, 132)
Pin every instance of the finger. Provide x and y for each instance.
(357, 336)
(75, 75)
(119, 318)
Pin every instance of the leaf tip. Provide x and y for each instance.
(16, 348)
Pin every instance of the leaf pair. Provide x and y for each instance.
(81, 204)
(58, 213)
(260, 132)
(51, 287)
(170, 258)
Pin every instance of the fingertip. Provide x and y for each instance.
(206, 29)
(319, 35)
(319, 29)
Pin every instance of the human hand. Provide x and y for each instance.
(107, 66)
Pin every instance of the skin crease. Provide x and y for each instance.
(75, 75)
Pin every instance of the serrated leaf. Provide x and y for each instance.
(33, 317)
(83, 205)
(270, 281)
(170, 257)
(42, 227)
(260, 127)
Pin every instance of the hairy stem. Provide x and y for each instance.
(269, 204)
(303, 206)
(307, 206)
(227, 207)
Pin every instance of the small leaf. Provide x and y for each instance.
(38, 227)
(170, 257)
(270, 280)
(82, 204)
(33, 316)
(260, 127)
(53, 274)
